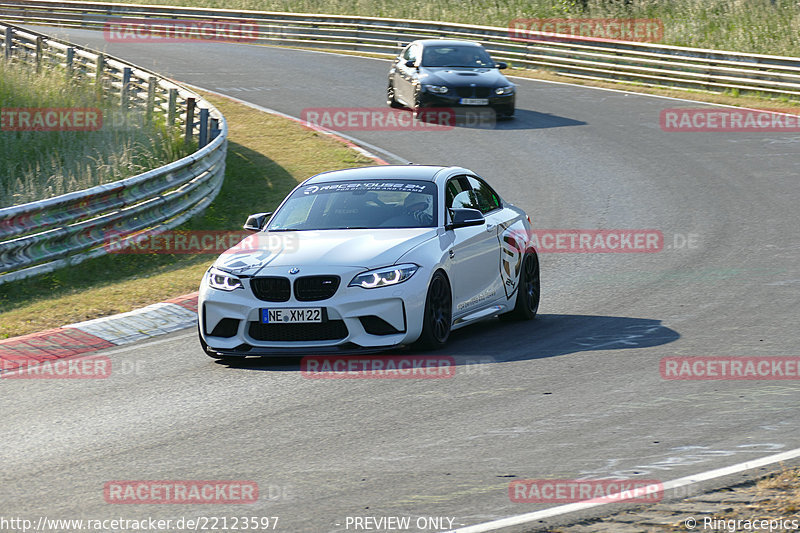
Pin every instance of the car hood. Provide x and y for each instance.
(451, 76)
(360, 248)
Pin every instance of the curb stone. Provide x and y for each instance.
(100, 333)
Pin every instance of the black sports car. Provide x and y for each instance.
(449, 73)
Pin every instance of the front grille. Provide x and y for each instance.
(375, 325)
(315, 288)
(482, 92)
(464, 92)
(271, 289)
(226, 328)
(322, 331)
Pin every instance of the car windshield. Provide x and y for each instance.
(357, 205)
(456, 56)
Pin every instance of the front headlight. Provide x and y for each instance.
(438, 89)
(505, 90)
(382, 277)
(217, 279)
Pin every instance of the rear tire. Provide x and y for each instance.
(528, 293)
(438, 315)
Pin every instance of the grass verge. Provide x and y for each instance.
(267, 156)
(43, 164)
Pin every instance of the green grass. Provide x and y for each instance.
(754, 26)
(42, 164)
(267, 156)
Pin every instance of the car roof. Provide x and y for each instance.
(447, 42)
(379, 172)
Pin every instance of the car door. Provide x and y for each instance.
(509, 232)
(405, 76)
(474, 254)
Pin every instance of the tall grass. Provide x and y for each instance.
(755, 26)
(40, 164)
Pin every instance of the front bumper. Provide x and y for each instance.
(355, 320)
(501, 104)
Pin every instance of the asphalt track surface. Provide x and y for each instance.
(575, 394)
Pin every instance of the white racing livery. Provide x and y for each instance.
(367, 259)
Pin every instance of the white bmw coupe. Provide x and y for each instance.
(366, 259)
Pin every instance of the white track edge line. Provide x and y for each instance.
(675, 483)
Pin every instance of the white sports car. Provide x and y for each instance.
(366, 259)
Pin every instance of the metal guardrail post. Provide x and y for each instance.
(214, 128)
(189, 126)
(69, 60)
(126, 83)
(99, 74)
(8, 43)
(38, 59)
(172, 102)
(202, 137)
(151, 99)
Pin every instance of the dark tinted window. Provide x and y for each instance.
(455, 56)
(472, 193)
(411, 53)
(486, 198)
(453, 188)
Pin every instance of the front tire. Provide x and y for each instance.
(529, 292)
(504, 113)
(438, 316)
(391, 101)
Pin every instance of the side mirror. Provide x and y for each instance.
(501, 65)
(462, 217)
(257, 221)
(410, 63)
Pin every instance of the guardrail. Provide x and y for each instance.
(41, 236)
(642, 63)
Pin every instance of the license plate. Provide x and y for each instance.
(298, 315)
(474, 101)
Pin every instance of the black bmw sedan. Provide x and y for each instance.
(449, 73)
